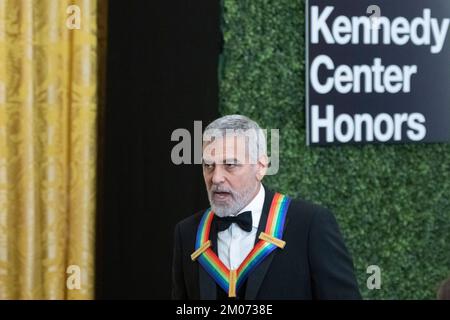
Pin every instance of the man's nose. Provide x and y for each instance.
(218, 176)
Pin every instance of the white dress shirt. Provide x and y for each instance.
(234, 244)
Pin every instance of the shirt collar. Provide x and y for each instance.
(256, 206)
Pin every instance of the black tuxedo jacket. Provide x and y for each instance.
(314, 264)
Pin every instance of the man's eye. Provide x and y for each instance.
(230, 165)
(207, 165)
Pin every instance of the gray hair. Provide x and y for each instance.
(238, 125)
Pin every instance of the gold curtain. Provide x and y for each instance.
(50, 80)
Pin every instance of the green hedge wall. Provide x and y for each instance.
(392, 202)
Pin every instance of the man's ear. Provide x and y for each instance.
(262, 165)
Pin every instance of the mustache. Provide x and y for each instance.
(217, 188)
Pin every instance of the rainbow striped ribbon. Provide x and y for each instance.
(232, 280)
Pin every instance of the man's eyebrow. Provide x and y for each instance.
(231, 160)
(226, 161)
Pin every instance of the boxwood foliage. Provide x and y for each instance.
(392, 202)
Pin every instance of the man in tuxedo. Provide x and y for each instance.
(305, 257)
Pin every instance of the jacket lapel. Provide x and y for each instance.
(208, 287)
(257, 276)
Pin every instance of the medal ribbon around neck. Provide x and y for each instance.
(270, 239)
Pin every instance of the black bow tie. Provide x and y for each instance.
(243, 220)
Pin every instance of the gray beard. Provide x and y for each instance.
(239, 201)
